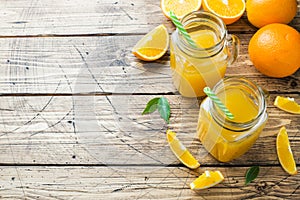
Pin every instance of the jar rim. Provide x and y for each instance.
(240, 126)
(186, 20)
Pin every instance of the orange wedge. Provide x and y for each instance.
(153, 45)
(206, 180)
(287, 104)
(181, 152)
(179, 7)
(284, 152)
(228, 10)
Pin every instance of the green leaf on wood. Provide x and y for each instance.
(164, 108)
(151, 106)
(161, 104)
(251, 174)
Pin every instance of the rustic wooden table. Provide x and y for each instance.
(71, 99)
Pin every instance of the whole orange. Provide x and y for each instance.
(275, 50)
(263, 12)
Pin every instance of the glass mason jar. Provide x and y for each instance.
(193, 68)
(226, 139)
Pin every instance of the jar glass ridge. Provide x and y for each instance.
(254, 91)
(207, 21)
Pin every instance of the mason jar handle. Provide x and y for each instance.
(233, 42)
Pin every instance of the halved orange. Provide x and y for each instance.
(284, 152)
(153, 45)
(179, 7)
(206, 180)
(228, 10)
(287, 104)
(180, 151)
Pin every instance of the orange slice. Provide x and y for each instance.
(228, 10)
(153, 45)
(284, 152)
(179, 7)
(206, 180)
(287, 104)
(181, 152)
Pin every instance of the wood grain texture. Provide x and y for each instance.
(103, 65)
(98, 129)
(63, 17)
(141, 183)
(71, 97)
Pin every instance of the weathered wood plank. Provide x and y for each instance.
(63, 17)
(102, 64)
(98, 129)
(141, 183)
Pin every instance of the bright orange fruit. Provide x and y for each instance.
(228, 10)
(287, 104)
(263, 12)
(180, 151)
(284, 152)
(206, 180)
(275, 50)
(153, 45)
(179, 7)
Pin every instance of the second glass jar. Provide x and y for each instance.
(227, 139)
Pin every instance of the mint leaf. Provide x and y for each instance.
(151, 106)
(161, 104)
(251, 174)
(164, 108)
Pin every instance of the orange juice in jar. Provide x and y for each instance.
(227, 139)
(193, 68)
